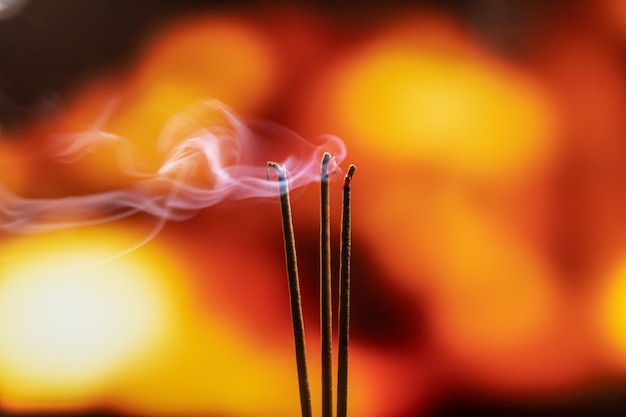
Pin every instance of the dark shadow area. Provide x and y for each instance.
(602, 401)
(381, 315)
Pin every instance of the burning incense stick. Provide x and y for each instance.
(344, 299)
(294, 290)
(326, 293)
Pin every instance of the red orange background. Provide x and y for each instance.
(489, 211)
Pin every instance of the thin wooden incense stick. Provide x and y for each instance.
(294, 290)
(344, 297)
(326, 308)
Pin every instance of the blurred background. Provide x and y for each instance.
(489, 207)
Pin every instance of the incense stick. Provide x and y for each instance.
(294, 290)
(344, 298)
(326, 292)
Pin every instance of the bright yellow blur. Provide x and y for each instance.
(405, 97)
(221, 57)
(211, 369)
(72, 314)
(208, 368)
(448, 138)
(81, 326)
(611, 314)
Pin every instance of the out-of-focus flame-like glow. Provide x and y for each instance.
(216, 57)
(489, 306)
(234, 355)
(69, 322)
(610, 314)
(422, 92)
(490, 194)
(220, 371)
(496, 308)
(214, 369)
(212, 56)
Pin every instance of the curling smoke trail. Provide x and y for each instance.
(217, 158)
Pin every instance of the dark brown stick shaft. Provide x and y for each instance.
(294, 290)
(326, 308)
(344, 298)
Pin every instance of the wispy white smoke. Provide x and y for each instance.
(218, 159)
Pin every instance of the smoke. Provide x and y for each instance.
(209, 156)
(9, 8)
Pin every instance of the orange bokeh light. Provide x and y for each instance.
(608, 313)
(421, 91)
(495, 307)
(461, 156)
(220, 57)
(122, 116)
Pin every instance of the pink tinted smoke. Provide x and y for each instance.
(218, 159)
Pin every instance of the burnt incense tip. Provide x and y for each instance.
(282, 177)
(325, 162)
(280, 169)
(276, 166)
(349, 174)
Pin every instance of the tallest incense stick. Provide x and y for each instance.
(326, 292)
(294, 290)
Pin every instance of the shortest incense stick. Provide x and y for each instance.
(344, 299)
(294, 290)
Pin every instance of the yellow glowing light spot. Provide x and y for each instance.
(612, 313)
(70, 316)
(412, 99)
(221, 57)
